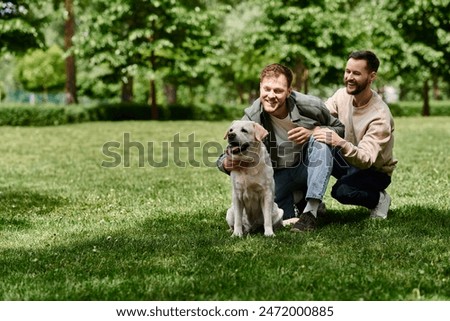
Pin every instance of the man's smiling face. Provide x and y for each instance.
(273, 94)
(357, 77)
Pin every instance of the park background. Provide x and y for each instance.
(186, 59)
(76, 75)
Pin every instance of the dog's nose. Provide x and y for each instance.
(231, 135)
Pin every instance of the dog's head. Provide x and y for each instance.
(244, 134)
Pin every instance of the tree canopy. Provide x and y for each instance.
(41, 70)
(20, 26)
(198, 46)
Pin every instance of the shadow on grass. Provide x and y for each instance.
(173, 257)
(157, 259)
(192, 257)
(420, 214)
(18, 205)
(341, 217)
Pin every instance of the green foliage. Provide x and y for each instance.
(424, 27)
(120, 111)
(241, 47)
(94, 83)
(315, 36)
(73, 230)
(414, 108)
(213, 112)
(2, 91)
(26, 115)
(157, 36)
(20, 20)
(413, 41)
(41, 70)
(48, 115)
(222, 45)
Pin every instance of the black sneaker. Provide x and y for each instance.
(306, 222)
(322, 210)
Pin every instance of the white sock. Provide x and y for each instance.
(312, 206)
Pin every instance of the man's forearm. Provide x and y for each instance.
(219, 164)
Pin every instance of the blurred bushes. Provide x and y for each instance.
(202, 112)
(27, 115)
(49, 115)
(117, 112)
(413, 108)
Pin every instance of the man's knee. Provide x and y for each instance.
(319, 155)
(319, 147)
(343, 193)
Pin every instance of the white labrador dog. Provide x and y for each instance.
(253, 186)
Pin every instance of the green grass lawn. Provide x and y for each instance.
(71, 229)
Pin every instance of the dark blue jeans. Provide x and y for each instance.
(357, 186)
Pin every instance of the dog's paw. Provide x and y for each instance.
(268, 231)
(237, 234)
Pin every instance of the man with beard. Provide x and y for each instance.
(364, 161)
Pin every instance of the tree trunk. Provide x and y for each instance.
(241, 96)
(152, 98)
(426, 99)
(170, 91)
(69, 31)
(436, 90)
(301, 77)
(127, 90)
(305, 81)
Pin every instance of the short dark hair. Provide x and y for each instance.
(372, 61)
(275, 70)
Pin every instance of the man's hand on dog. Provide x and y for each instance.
(235, 165)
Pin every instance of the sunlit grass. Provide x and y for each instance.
(71, 229)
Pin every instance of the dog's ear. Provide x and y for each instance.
(226, 133)
(260, 132)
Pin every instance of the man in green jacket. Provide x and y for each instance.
(302, 165)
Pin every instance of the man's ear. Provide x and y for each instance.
(260, 132)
